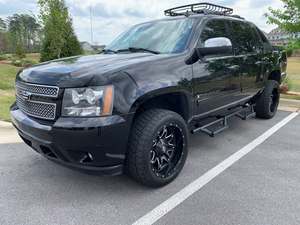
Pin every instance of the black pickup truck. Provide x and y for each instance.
(131, 108)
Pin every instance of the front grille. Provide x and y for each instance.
(34, 100)
(39, 90)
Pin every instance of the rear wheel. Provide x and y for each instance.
(268, 101)
(157, 147)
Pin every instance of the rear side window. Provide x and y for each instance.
(244, 40)
(214, 29)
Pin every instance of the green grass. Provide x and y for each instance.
(294, 97)
(7, 80)
(7, 76)
(294, 74)
(6, 100)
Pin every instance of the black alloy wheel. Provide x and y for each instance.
(167, 150)
(157, 147)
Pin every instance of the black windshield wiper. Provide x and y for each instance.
(134, 49)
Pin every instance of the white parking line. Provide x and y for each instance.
(179, 197)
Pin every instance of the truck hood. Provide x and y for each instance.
(81, 70)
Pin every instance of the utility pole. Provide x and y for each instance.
(91, 19)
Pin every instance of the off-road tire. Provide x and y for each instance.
(267, 103)
(144, 131)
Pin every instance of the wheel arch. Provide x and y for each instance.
(275, 75)
(177, 101)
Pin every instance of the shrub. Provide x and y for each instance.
(289, 52)
(16, 62)
(3, 57)
(292, 46)
(23, 62)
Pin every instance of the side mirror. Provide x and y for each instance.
(215, 46)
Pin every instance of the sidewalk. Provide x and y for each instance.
(289, 105)
(8, 134)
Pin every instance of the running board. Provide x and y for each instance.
(245, 113)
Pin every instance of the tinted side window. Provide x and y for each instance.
(244, 41)
(214, 29)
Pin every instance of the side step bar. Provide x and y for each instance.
(246, 112)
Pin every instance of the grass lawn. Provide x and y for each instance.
(7, 76)
(7, 98)
(7, 94)
(294, 73)
(7, 80)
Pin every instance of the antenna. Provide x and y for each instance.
(91, 20)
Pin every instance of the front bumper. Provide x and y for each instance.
(92, 145)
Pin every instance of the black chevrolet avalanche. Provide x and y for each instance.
(131, 108)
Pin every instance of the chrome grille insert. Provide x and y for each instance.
(38, 90)
(37, 108)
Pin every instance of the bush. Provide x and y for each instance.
(292, 46)
(3, 57)
(23, 62)
(289, 52)
(17, 62)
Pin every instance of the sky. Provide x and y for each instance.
(112, 17)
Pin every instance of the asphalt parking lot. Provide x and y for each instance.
(262, 188)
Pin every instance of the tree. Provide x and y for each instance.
(287, 18)
(2, 25)
(3, 37)
(23, 33)
(59, 39)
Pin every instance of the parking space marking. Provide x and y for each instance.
(175, 200)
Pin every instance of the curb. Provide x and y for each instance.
(5, 124)
(291, 101)
(293, 93)
(290, 105)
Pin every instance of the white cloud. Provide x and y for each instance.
(114, 16)
(115, 20)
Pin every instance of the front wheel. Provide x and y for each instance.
(157, 147)
(268, 101)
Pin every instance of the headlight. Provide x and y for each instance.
(88, 102)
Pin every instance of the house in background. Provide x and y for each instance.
(87, 47)
(279, 37)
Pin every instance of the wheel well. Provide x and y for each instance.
(275, 75)
(176, 102)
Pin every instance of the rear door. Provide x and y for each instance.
(216, 80)
(248, 50)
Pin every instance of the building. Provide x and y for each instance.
(279, 37)
(87, 47)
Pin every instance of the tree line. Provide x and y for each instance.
(51, 33)
(20, 34)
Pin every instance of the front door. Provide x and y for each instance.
(216, 79)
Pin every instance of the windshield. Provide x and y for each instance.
(168, 36)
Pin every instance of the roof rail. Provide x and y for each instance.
(199, 8)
